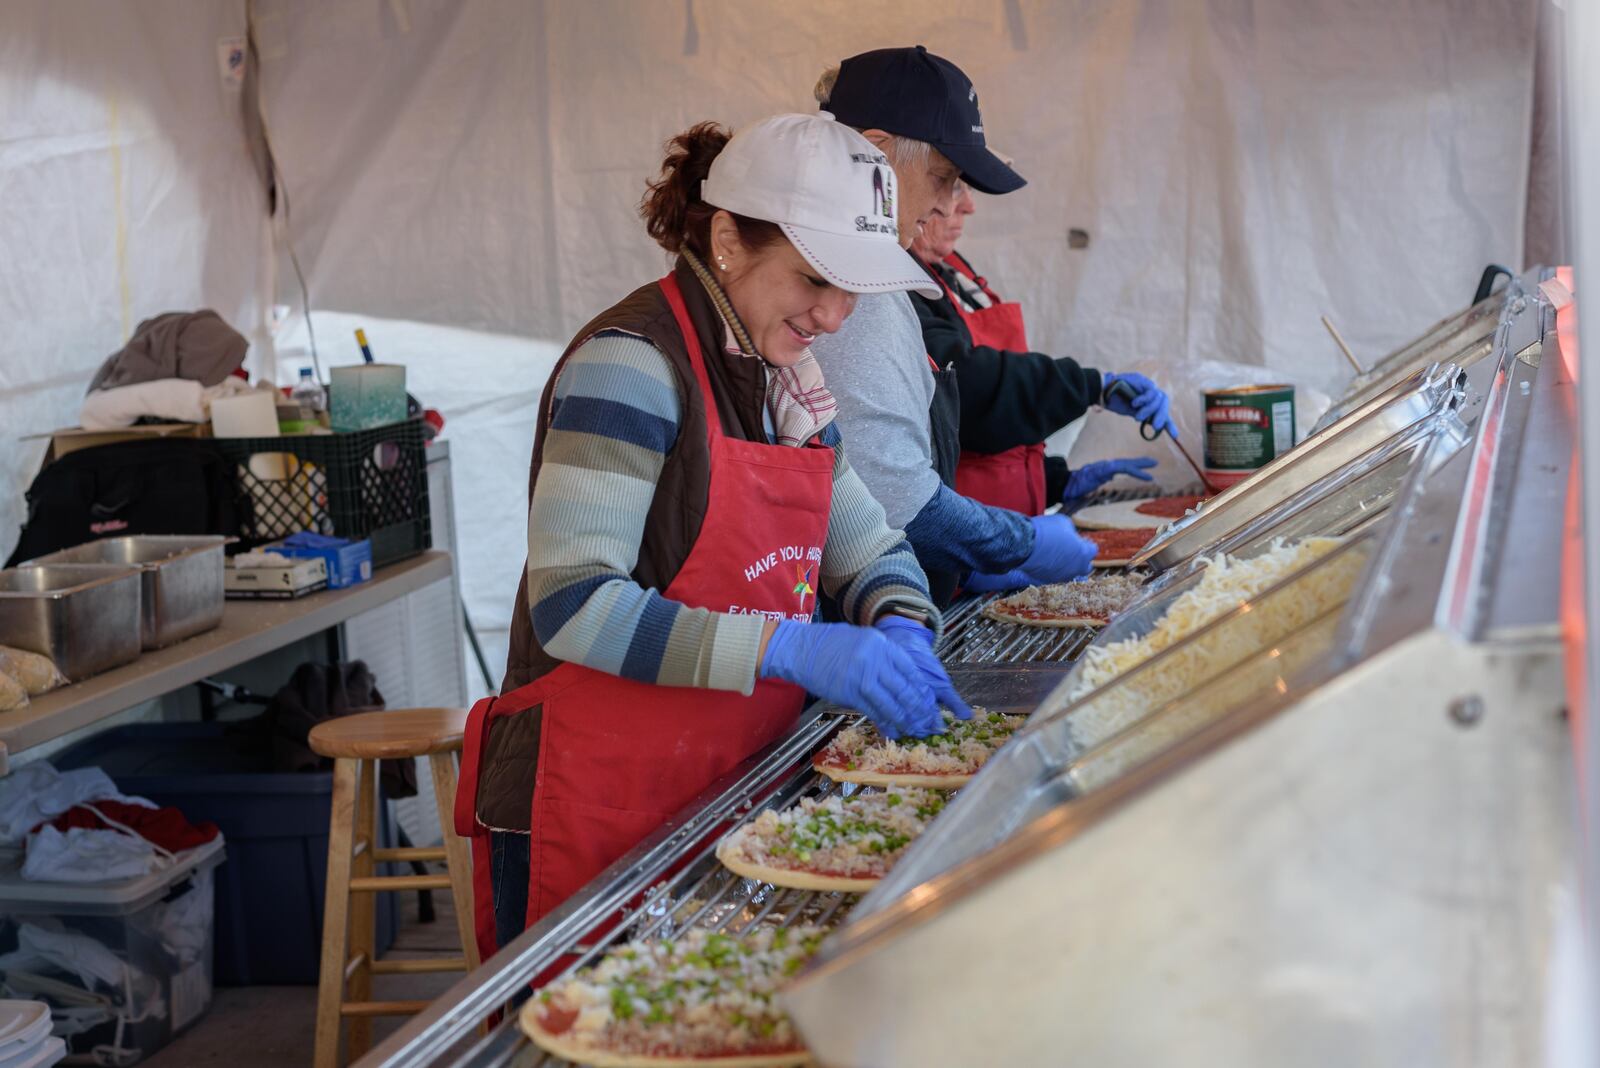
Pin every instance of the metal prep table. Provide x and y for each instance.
(1339, 845)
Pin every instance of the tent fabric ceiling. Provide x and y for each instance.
(1240, 168)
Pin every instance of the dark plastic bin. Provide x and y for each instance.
(270, 889)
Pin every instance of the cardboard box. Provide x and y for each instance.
(349, 562)
(72, 439)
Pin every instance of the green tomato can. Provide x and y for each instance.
(1247, 427)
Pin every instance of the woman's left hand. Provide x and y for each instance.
(916, 641)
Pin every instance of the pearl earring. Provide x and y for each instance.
(720, 263)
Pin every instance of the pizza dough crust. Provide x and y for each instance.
(1116, 515)
(1075, 623)
(739, 864)
(560, 1046)
(880, 778)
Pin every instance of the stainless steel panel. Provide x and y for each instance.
(85, 617)
(1426, 393)
(1361, 880)
(182, 587)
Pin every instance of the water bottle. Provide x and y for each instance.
(309, 395)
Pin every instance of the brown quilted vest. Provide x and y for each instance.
(738, 384)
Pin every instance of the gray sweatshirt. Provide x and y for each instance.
(877, 369)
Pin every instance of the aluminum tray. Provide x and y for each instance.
(1434, 389)
(85, 617)
(182, 587)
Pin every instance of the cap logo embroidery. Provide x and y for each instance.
(882, 204)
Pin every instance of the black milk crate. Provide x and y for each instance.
(366, 484)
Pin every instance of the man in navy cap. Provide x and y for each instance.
(899, 412)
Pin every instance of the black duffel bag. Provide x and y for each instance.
(164, 486)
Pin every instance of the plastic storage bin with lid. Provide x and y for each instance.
(124, 966)
(25, 1038)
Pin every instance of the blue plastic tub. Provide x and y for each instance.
(270, 889)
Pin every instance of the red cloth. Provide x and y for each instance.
(165, 827)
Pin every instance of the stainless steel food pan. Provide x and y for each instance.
(182, 585)
(85, 617)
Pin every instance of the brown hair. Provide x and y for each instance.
(672, 209)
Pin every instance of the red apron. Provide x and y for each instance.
(1012, 479)
(618, 757)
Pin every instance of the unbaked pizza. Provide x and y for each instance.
(1118, 547)
(941, 761)
(705, 998)
(1137, 513)
(837, 843)
(1088, 602)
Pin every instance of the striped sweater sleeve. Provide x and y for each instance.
(616, 412)
(867, 567)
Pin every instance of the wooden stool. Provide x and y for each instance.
(349, 919)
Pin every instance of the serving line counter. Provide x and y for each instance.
(1323, 828)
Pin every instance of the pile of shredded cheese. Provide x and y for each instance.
(962, 749)
(705, 994)
(857, 836)
(1228, 583)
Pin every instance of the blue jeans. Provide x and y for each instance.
(508, 873)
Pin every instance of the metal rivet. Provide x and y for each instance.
(1527, 387)
(1467, 711)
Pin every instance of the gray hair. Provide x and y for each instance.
(902, 151)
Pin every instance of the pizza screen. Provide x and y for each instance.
(1120, 544)
(1169, 507)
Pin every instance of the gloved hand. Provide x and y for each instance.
(857, 667)
(1146, 401)
(1059, 554)
(1090, 477)
(978, 582)
(917, 642)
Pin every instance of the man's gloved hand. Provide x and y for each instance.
(917, 642)
(1090, 477)
(1060, 553)
(1139, 399)
(858, 667)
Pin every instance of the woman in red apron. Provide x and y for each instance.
(1011, 398)
(689, 500)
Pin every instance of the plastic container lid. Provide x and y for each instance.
(19, 895)
(50, 1051)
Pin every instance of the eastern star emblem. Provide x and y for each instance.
(803, 587)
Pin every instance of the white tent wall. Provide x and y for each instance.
(125, 191)
(463, 178)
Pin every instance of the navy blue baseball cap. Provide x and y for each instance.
(913, 93)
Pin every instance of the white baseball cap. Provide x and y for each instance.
(831, 192)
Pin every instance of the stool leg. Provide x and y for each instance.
(364, 912)
(458, 857)
(336, 912)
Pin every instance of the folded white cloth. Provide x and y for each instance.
(178, 400)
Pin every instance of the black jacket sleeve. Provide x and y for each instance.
(1007, 398)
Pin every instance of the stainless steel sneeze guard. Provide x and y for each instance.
(1352, 870)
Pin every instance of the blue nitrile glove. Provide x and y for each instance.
(1059, 554)
(978, 582)
(916, 641)
(857, 667)
(1147, 403)
(1090, 477)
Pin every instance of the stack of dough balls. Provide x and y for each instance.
(24, 675)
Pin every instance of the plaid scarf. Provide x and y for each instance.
(797, 399)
